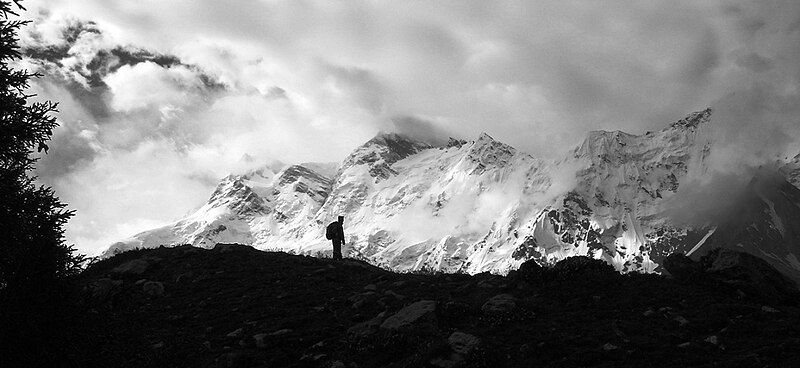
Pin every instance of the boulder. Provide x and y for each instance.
(105, 288)
(500, 304)
(361, 299)
(681, 267)
(236, 333)
(583, 267)
(260, 340)
(463, 343)
(394, 295)
(454, 312)
(134, 267)
(529, 270)
(410, 315)
(749, 273)
(368, 327)
(153, 288)
(281, 332)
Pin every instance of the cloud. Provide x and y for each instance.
(754, 62)
(421, 129)
(209, 81)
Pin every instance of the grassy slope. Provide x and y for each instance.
(559, 321)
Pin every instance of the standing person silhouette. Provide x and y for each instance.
(335, 232)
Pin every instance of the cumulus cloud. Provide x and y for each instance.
(147, 85)
(208, 82)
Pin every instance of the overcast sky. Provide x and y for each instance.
(160, 99)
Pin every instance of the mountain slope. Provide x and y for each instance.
(245, 209)
(238, 307)
(484, 206)
(624, 184)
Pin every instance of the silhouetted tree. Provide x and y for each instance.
(35, 263)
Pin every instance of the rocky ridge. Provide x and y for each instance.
(234, 306)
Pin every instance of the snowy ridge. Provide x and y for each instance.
(484, 206)
(615, 211)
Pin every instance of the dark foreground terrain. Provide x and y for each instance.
(234, 306)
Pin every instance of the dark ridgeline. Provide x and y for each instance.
(35, 264)
(234, 306)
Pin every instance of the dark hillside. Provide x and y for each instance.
(238, 307)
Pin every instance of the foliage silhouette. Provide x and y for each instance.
(35, 263)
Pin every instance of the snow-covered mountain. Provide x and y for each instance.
(485, 206)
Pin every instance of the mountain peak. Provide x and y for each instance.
(383, 150)
(395, 144)
(485, 137)
(694, 119)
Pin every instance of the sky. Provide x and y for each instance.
(161, 99)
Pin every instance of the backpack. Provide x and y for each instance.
(330, 231)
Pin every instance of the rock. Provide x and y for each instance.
(260, 340)
(463, 289)
(412, 314)
(236, 333)
(368, 327)
(445, 363)
(609, 346)
(712, 340)
(153, 288)
(499, 304)
(750, 273)
(649, 312)
(282, 332)
(134, 267)
(461, 346)
(236, 359)
(359, 300)
(454, 312)
(227, 248)
(158, 345)
(682, 267)
(105, 288)
(399, 283)
(337, 364)
(139, 282)
(189, 249)
(529, 270)
(186, 276)
(685, 345)
(394, 295)
(768, 309)
(583, 267)
(371, 287)
(681, 321)
(463, 343)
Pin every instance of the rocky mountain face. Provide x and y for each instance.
(484, 206)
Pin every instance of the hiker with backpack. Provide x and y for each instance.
(335, 233)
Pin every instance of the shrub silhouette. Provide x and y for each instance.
(35, 263)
